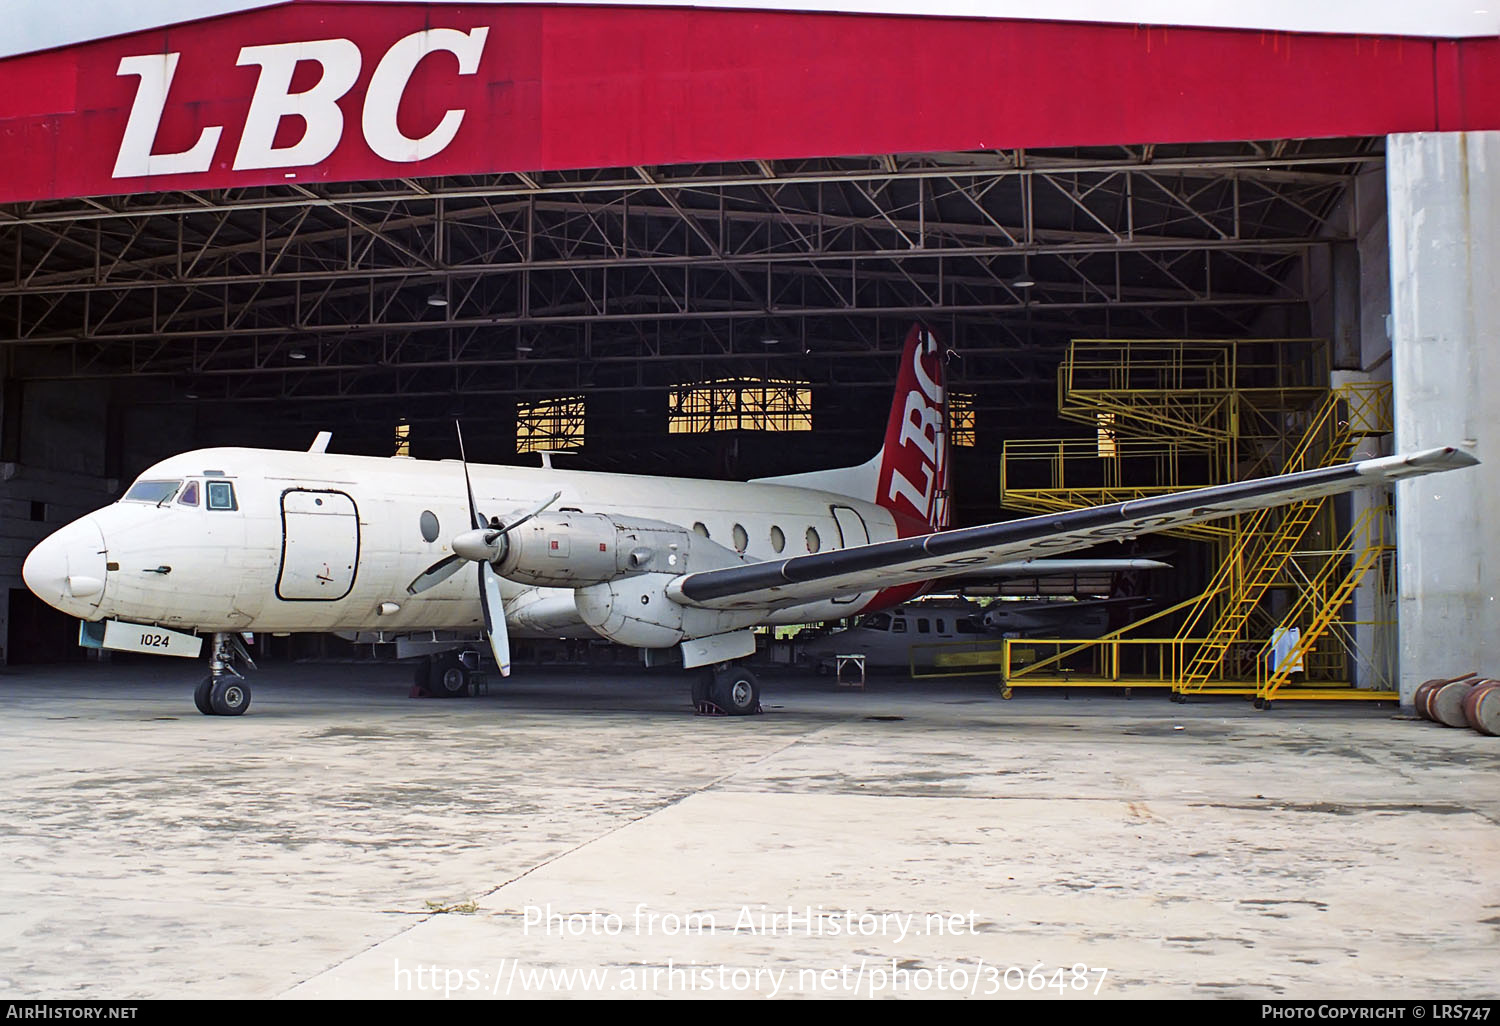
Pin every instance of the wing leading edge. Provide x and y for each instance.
(785, 582)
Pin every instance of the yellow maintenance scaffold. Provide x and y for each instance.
(1274, 621)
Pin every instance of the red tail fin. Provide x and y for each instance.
(913, 481)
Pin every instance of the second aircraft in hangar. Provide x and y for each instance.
(232, 540)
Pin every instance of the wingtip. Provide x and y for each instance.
(1448, 457)
(1427, 461)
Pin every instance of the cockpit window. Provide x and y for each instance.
(221, 495)
(189, 496)
(156, 492)
(878, 622)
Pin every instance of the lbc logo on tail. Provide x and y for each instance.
(913, 482)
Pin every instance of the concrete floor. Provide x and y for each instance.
(343, 840)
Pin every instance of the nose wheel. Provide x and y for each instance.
(224, 692)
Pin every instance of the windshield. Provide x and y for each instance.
(152, 491)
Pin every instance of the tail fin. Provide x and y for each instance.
(909, 476)
(913, 482)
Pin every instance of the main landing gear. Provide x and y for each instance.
(224, 691)
(449, 674)
(726, 690)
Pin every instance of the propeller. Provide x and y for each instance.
(480, 545)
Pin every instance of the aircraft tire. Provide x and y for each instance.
(202, 698)
(449, 679)
(736, 691)
(229, 696)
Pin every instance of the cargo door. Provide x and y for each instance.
(852, 532)
(320, 545)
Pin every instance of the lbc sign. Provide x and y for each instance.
(338, 63)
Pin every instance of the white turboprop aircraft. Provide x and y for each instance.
(229, 541)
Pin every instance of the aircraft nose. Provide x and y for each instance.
(67, 569)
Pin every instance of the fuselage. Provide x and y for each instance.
(238, 539)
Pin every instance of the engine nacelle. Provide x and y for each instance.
(576, 550)
(636, 611)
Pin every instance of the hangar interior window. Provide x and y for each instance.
(740, 404)
(403, 439)
(550, 424)
(1107, 446)
(963, 423)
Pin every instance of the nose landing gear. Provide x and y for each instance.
(224, 691)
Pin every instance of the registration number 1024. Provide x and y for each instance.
(156, 641)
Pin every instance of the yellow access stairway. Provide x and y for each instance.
(1265, 541)
(1323, 597)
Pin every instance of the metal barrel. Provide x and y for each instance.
(1481, 707)
(1446, 702)
(1419, 699)
(1422, 698)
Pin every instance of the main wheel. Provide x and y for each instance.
(736, 691)
(229, 696)
(202, 698)
(449, 678)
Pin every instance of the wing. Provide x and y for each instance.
(778, 583)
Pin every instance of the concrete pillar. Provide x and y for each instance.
(1444, 204)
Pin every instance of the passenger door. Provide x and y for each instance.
(320, 545)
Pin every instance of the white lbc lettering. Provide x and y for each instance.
(135, 159)
(920, 426)
(932, 388)
(901, 487)
(389, 82)
(273, 101)
(323, 120)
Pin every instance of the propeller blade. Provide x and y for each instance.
(512, 526)
(494, 617)
(436, 574)
(475, 520)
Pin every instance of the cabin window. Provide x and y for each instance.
(221, 495)
(152, 491)
(189, 496)
(814, 543)
(923, 627)
(428, 523)
(741, 538)
(778, 538)
(700, 529)
(942, 626)
(898, 626)
(878, 622)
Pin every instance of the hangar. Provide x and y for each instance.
(551, 219)
(541, 219)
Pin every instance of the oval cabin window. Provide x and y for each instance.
(741, 538)
(814, 543)
(778, 538)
